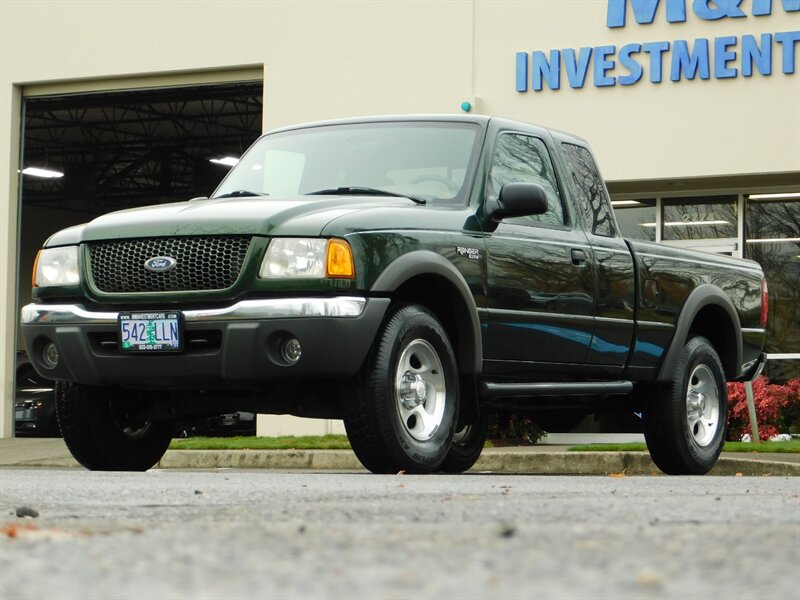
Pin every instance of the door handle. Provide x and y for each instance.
(578, 257)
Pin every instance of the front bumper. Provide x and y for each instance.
(234, 344)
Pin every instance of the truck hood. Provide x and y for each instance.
(301, 216)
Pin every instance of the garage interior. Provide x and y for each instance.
(89, 154)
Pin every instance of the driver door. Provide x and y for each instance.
(539, 270)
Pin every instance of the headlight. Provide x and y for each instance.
(307, 258)
(56, 266)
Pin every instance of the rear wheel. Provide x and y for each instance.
(402, 407)
(102, 435)
(685, 419)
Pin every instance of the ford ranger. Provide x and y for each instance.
(409, 275)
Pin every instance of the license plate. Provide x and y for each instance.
(150, 332)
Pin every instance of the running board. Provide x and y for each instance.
(570, 388)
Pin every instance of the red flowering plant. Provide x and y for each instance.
(777, 408)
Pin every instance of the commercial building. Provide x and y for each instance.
(692, 107)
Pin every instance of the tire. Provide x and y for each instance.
(466, 447)
(53, 430)
(401, 409)
(98, 436)
(685, 420)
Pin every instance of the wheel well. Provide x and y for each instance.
(444, 300)
(713, 323)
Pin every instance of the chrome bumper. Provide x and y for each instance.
(276, 308)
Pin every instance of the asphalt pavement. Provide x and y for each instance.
(538, 459)
(197, 534)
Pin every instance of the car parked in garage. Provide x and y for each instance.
(35, 411)
(34, 402)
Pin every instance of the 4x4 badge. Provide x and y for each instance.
(160, 264)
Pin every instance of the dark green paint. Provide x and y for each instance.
(537, 311)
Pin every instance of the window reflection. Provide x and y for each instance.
(700, 218)
(773, 220)
(773, 239)
(421, 159)
(636, 219)
(591, 192)
(523, 158)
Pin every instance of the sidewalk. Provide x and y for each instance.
(538, 460)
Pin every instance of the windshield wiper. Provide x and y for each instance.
(239, 194)
(363, 191)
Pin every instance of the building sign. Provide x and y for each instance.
(723, 57)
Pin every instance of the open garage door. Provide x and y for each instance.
(88, 154)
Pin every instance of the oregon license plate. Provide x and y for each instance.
(150, 332)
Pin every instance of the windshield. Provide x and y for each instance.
(425, 160)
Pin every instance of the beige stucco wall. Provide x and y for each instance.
(647, 131)
(330, 59)
(10, 106)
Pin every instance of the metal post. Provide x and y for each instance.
(751, 408)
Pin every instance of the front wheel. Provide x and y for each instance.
(466, 447)
(402, 407)
(102, 435)
(685, 419)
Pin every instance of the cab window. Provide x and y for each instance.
(524, 158)
(591, 196)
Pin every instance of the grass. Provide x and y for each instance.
(339, 442)
(287, 442)
(792, 447)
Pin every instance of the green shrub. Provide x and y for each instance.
(514, 428)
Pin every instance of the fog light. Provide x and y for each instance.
(50, 356)
(291, 350)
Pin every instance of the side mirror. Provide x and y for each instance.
(517, 200)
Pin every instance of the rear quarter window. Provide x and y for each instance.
(592, 199)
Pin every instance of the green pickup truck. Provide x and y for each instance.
(410, 275)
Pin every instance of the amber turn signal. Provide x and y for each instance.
(35, 266)
(339, 263)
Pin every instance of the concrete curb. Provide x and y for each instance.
(341, 460)
(535, 460)
(537, 463)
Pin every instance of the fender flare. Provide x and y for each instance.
(426, 262)
(702, 296)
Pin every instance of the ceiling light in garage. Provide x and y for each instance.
(45, 173)
(228, 161)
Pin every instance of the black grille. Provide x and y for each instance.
(202, 263)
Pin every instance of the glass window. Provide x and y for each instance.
(772, 219)
(429, 160)
(636, 218)
(773, 239)
(523, 158)
(591, 192)
(700, 218)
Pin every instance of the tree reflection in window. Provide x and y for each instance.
(522, 158)
(700, 218)
(773, 230)
(593, 201)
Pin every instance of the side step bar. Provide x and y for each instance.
(570, 388)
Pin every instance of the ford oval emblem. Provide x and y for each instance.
(160, 264)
